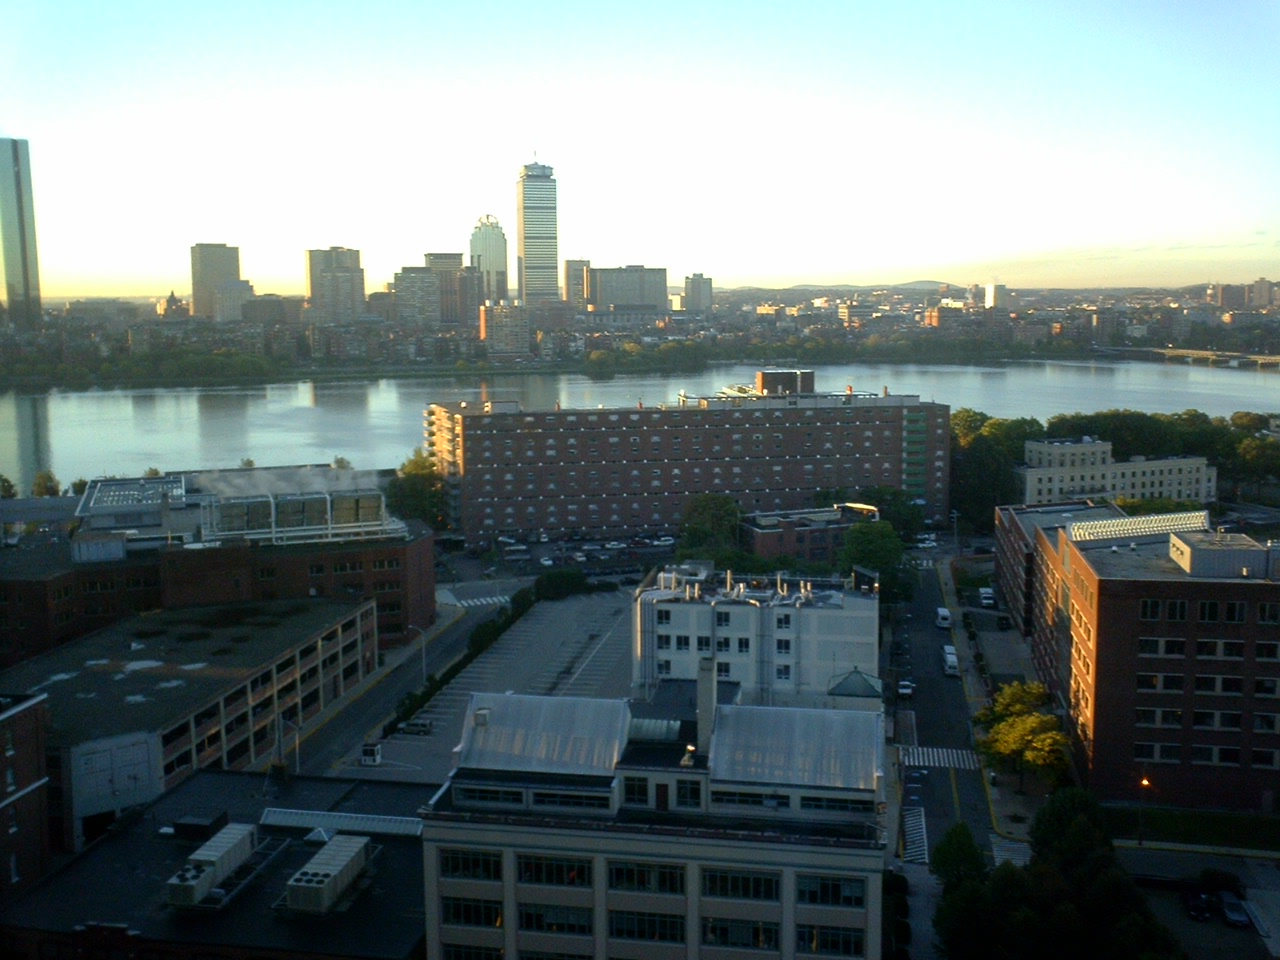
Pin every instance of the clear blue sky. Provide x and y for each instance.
(1041, 142)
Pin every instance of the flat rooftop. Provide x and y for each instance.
(1052, 516)
(150, 671)
(122, 879)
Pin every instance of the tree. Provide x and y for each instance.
(957, 858)
(152, 472)
(709, 525)
(45, 484)
(246, 463)
(967, 423)
(1013, 700)
(896, 507)
(79, 486)
(341, 463)
(417, 491)
(982, 478)
(7, 490)
(1011, 435)
(1019, 736)
(876, 546)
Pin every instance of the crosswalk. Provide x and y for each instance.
(484, 602)
(915, 836)
(1015, 851)
(960, 759)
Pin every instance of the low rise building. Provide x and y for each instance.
(1057, 470)
(808, 536)
(649, 839)
(137, 707)
(785, 640)
(24, 806)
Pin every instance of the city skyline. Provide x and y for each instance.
(1050, 145)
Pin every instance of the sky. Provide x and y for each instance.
(1065, 143)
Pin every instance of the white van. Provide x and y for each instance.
(950, 662)
(987, 597)
(944, 618)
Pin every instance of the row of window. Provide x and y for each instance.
(1226, 756)
(822, 889)
(1205, 683)
(1207, 719)
(1207, 611)
(1207, 649)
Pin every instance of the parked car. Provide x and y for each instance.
(906, 688)
(1197, 904)
(1233, 911)
(664, 542)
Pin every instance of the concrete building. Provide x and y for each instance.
(229, 300)
(698, 299)
(213, 266)
(537, 242)
(1058, 470)
(740, 830)
(137, 707)
(626, 471)
(418, 296)
(448, 268)
(504, 329)
(1159, 641)
(997, 297)
(575, 283)
(627, 289)
(217, 536)
(24, 806)
(785, 640)
(335, 285)
(19, 264)
(489, 256)
(130, 896)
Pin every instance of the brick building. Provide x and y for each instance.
(809, 536)
(625, 471)
(1159, 641)
(24, 805)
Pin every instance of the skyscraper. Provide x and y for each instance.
(537, 253)
(697, 294)
(213, 267)
(575, 283)
(19, 267)
(489, 256)
(335, 285)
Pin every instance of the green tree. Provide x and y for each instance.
(45, 484)
(152, 472)
(7, 490)
(1013, 700)
(876, 546)
(1011, 435)
(1259, 459)
(79, 486)
(982, 478)
(246, 463)
(341, 463)
(957, 858)
(417, 491)
(1246, 422)
(896, 508)
(709, 525)
(967, 423)
(1018, 735)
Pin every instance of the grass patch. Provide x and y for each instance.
(1242, 830)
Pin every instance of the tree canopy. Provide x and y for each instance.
(45, 484)
(7, 489)
(1019, 736)
(876, 546)
(417, 491)
(709, 526)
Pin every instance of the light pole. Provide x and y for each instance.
(1143, 786)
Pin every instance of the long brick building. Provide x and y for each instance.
(621, 471)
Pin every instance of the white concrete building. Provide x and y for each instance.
(1058, 470)
(785, 640)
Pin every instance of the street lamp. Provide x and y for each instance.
(1143, 786)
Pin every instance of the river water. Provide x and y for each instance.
(377, 424)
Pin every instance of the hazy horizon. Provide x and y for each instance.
(1077, 145)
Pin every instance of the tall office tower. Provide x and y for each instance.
(213, 265)
(418, 296)
(575, 283)
(19, 268)
(447, 266)
(536, 246)
(489, 256)
(628, 289)
(335, 285)
(229, 300)
(697, 294)
(997, 296)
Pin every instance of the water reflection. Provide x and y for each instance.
(24, 439)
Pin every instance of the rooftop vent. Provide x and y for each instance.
(318, 886)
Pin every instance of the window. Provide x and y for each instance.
(704, 644)
(635, 791)
(471, 913)
(664, 668)
(783, 671)
(471, 864)
(1149, 610)
(1264, 687)
(688, 794)
(553, 871)
(1176, 611)
(740, 884)
(682, 642)
(664, 641)
(1269, 613)
(1265, 722)
(743, 934)
(722, 618)
(1233, 611)
(830, 891)
(1157, 752)
(1262, 758)
(841, 804)
(555, 919)
(722, 670)
(559, 798)
(1161, 647)
(1208, 612)
(784, 646)
(648, 877)
(634, 925)
(784, 621)
(744, 644)
(722, 644)
(1267, 650)
(828, 941)
(664, 616)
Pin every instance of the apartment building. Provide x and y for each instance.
(1159, 640)
(24, 839)
(1057, 470)
(625, 471)
(809, 536)
(785, 640)
(653, 839)
(139, 706)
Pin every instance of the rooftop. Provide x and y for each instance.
(122, 879)
(149, 671)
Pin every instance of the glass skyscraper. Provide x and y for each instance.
(19, 267)
(537, 251)
(489, 256)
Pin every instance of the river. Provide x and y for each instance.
(377, 424)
